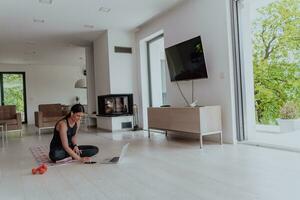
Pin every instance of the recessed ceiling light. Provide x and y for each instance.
(88, 26)
(104, 9)
(38, 20)
(46, 1)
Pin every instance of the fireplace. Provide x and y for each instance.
(115, 105)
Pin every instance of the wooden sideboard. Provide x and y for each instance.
(204, 120)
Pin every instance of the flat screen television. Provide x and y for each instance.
(186, 60)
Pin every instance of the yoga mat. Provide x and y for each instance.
(41, 152)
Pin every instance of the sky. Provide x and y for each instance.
(255, 4)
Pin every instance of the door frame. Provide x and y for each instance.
(24, 91)
(149, 65)
(238, 71)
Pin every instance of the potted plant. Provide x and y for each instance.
(288, 121)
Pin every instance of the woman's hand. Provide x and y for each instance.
(77, 150)
(85, 159)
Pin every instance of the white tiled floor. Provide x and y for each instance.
(153, 169)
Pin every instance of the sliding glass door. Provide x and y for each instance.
(269, 41)
(12, 91)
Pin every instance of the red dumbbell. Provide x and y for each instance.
(41, 169)
(34, 171)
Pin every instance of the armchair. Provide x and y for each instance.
(11, 118)
(48, 115)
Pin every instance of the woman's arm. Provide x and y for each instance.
(74, 142)
(62, 128)
(74, 138)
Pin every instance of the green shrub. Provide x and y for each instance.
(289, 111)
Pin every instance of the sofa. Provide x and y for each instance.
(48, 115)
(10, 117)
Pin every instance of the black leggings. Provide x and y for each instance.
(87, 151)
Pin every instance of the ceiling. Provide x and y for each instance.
(72, 21)
(28, 27)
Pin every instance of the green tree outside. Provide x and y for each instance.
(13, 91)
(276, 56)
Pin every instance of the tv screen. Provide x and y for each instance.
(186, 60)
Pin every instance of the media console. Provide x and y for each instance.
(201, 120)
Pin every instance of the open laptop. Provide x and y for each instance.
(116, 159)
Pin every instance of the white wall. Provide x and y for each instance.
(49, 84)
(113, 71)
(40, 54)
(211, 20)
(101, 69)
(120, 64)
(101, 65)
(121, 69)
(90, 79)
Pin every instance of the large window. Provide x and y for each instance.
(269, 36)
(12, 91)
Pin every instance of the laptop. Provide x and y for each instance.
(116, 159)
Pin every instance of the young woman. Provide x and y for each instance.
(64, 141)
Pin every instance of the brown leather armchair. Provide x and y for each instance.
(48, 115)
(11, 118)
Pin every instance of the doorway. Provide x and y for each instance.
(156, 71)
(13, 91)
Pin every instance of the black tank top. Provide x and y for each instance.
(56, 141)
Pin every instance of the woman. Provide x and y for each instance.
(64, 141)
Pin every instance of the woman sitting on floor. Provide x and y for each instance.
(64, 141)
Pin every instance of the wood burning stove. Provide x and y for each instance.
(113, 105)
